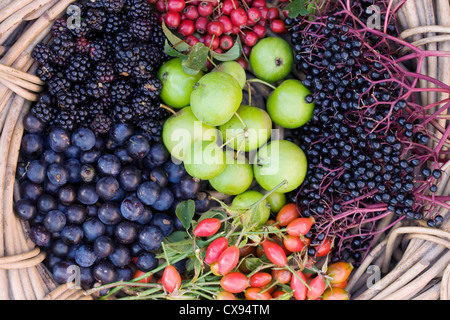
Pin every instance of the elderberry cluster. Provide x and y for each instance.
(366, 157)
(103, 70)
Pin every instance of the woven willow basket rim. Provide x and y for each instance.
(422, 269)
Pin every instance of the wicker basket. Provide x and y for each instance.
(413, 259)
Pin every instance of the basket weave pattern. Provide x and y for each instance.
(421, 254)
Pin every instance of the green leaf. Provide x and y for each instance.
(185, 212)
(232, 54)
(177, 236)
(299, 7)
(172, 52)
(178, 43)
(196, 60)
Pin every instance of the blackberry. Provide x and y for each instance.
(121, 90)
(43, 109)
(98, 50)
(68, 100)
(95, 19)
(78, 68)
(139, 9)
(126, 60)
(104, 72)
(57, 84)
(46, 71)
(101, 124)
(83, 45)
(96, 89)
(144, 69)
(41, 53)
(114, 23)
(82, 116)
(59, 27)
(113, 6)
(63, 48)
(81, 30)
(151, 129)
(141, 105)
(141, 29)
(123, 40)
(151, 87)
(123, 112)
(64, 119)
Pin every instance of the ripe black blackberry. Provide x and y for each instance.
(123, 112)
(121, 90)
(101, 124)
(151, 129)
(139, 9)
(113, 6)
(150, 87)
(68, 100)
(64, 119)
(41, 53)
(62, 48)
(126, 60)
(59, 27)
(97, 89)
(141, 29)
(44, 109)
(104, 72)
(98, 50)
(78, 68)
(95, 19)
(58, 83)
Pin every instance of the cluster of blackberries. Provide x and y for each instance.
(103, 203)
(363, 151)
(100, 67)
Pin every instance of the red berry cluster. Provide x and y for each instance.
(217, 23)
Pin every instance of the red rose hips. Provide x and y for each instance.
(272, 13)
(176, 5)
(227, 25)
(250, 38)
(186, 28)
(191, 12)
(259, 4)
(277, 26)
(259, 30)
(211, 41)
(172, 19)
(191, 40)
(205, 8)
(161, 6)
(239, 17)
(229, 5)
(253, 15)
(226, 42)
(215, 27)
(201, 24)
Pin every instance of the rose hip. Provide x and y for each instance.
(191, 40)
(211, 41)
(254, 15)
(239, 17)
(226, 42)
(201, 24)
(215, 28)
(250, 38)
(172, 19)
(205, 8)
(176, 5)
(186, 28)
(259, 30)
(214, 249)
(227, 24)
(278, 26)
(191, 12)
(207, 227)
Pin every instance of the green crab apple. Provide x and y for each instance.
(182, 129)
(280, 164)
(287, 107)
(276, 200)
(252, 216)
(177, 85)
(271, 59)
(216, 97)
(237, 176)
(235, 69)
(205, 160)
(248, 129)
